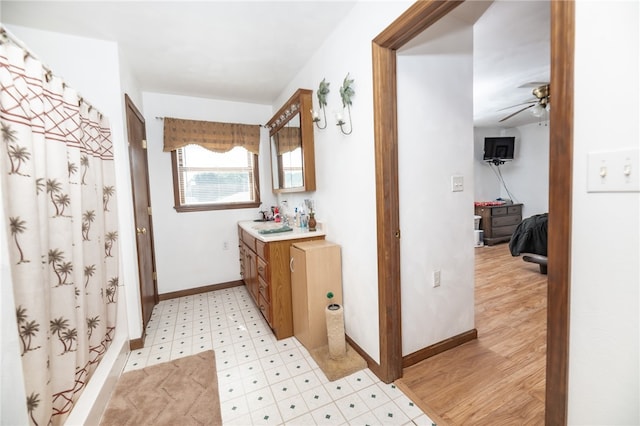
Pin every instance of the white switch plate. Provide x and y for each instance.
(436, 278)
(614, 171)
(457, 183)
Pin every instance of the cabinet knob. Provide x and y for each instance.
(291, 265)
(142, 230)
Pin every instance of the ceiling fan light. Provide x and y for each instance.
(538, 110)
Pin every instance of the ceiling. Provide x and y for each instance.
(248, 51)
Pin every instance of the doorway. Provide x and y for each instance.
(416, 19)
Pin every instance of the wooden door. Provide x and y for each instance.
(142, 209)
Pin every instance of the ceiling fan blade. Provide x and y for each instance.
(523, 103)
(533, 84)
(517, 112)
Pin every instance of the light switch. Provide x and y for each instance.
(614, 171)
(457, 183)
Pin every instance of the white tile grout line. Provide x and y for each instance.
(262, 380)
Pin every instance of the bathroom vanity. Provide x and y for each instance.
(264, 266)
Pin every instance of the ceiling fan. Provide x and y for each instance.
(540, 104)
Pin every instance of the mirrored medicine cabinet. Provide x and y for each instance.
(292, 147)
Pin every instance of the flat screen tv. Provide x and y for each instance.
(499, 148)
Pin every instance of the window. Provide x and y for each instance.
(207, 180)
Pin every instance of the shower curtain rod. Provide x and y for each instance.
(7, 36)
(162, 118)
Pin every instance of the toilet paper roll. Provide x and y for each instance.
(335, 331)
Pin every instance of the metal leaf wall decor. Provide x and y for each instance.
(346, 91)
(322, 93)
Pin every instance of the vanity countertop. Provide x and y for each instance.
(253, 228)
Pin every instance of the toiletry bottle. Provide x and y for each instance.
(303, 219)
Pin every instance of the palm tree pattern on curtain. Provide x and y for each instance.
(58, 177)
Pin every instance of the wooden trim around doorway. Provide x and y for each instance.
(416, 19)
(560, 200)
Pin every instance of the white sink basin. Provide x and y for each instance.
(267, 226)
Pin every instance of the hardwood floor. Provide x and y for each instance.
(498, 379)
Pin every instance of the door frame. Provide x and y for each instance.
(412, 22)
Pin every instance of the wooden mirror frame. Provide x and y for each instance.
(303, 104)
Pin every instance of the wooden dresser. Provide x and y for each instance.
(499, 222)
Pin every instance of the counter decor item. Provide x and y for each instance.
(335, 329)
(312, 221)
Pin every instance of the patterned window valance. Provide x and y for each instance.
(217, 137)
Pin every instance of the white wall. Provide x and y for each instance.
(526, 177)
(435, 134)
(604, 375)
(189, 246)
(92, 68)
(345, 165)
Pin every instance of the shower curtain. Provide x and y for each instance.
(57, 172)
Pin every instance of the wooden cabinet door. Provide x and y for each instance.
(299, 296)
(252, 274)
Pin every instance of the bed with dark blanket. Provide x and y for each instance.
(530, 240)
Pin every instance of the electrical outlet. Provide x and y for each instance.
(225, 245)
(436, 278)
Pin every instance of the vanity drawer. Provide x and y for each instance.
(505, 220)
(265, 308)
(263, 287)
(249, 240)
(263, 269)
(262, 249)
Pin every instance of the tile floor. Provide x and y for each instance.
(264, 381)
